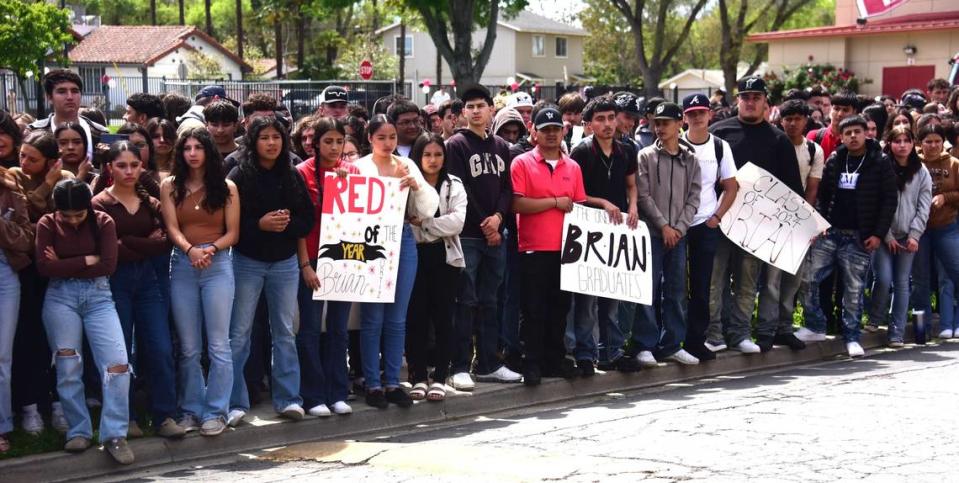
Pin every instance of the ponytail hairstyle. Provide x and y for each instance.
(321, 126)
(44, 142)
(116, 149)
(74, 195)
(914, 163)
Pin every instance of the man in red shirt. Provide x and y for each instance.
(546, 183)
(844, 104)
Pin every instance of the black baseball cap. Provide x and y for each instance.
(694, 102)
(548, 116)
(216, 92)
(626, 102)
(752, 83)
(475, 91)
(333, 94)
(668, 110)
(913, 101)
(652, 104)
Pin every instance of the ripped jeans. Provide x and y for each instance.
(74, 308)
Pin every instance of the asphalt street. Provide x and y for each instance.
(892, 416)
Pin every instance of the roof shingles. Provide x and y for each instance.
(139, 44)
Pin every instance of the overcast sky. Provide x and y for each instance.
(556, 9)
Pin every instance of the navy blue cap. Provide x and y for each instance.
(548, 117)
(695, 102)
(216, 92)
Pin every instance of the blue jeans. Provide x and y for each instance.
(386, 323)
(476, 307)
(936, 243)
(663, 333)
(892, 271)
(323, 373)
(9, 310)
(948, 310)
(509, 298)
(78, 309)
(143, 309)
(591, 312)
(280, 280)
(840, 251)
(204, 302)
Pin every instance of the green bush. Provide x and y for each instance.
(827, 76)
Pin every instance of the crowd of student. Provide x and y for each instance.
(180, 257)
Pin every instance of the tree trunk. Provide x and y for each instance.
(300, 40)
(209, 18)
(651, 77)
(153, 12)
(182, 17)
(401, 52)
(239, 28)
(278, 35)
(439, 70)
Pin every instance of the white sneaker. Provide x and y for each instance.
(461, 381)
(646, 359)
(340, 407)
(503, 374)
(59, 420)
(235, 417)
(684, 357)
(854, 349)
(807, 335)
(293, 411)
(32, 421)
(189, 423)
(715, 346)
(320, 411)
(747, 346)
(947, 334)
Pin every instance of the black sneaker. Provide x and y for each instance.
(627, 364)
(700, 352)
(586, 368)
(565, 369)
(531, 375)
(399, 397)
(377, 399)
(789, 340)
(765, 343)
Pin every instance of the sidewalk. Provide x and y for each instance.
(264, 429)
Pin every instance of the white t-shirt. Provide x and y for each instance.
(806, 169)
(706, 155)
(404, 150)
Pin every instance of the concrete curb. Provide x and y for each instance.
(60, 466)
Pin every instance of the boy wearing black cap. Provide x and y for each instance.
(754, 140)
(546, 183)
(627, 118)
(333, 102)
(645, 135)
(609, 176)
(669, 183)
(718, 175)
(480, 159)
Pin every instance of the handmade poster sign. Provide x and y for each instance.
(360, 230)
(606, 260)
(770, 221)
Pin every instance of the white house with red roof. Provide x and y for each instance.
(897, 43)
(158, 51)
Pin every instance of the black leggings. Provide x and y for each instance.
(431, 306)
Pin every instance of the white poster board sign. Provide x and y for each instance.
(360, 235)
(770, 221)
(606, 260)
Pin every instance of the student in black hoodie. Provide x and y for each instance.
(480, 159)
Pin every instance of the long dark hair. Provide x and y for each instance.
(416, 152)
(130, 128)
(9, 127)
(168, 128)
(903, 176)
(116, 149)
(214, 179)
(248, 165)
(76, 127)
(321, 126)
(73, 194)
(892, 119)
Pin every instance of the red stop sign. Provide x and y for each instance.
(366, 69)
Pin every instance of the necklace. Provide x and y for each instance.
(861, 160)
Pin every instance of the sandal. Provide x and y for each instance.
(4, 445)
(436, 393)
(418, 392)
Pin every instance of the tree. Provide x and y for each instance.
(606, 26)
(30, 33)
(457, 19)
(737, 21)
(209, 18)
(655, 54)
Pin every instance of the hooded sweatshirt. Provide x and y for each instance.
(483, 165)
(508, 115)
(669, 187)
(945, 181)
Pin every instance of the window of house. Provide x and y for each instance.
(91, 77)
(407, 49)
(561, 47)
(539, 46)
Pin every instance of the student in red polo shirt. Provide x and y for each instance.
(546, 183)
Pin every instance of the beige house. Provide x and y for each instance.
(528, 47)
(901, 48)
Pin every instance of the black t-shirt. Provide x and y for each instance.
(843, 213)
(763, 145)
(605, 176)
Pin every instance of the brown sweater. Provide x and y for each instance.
(945, 181)
(16, 231)
(39, 194)
(72, 244)
(141, 234)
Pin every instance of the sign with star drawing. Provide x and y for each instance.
(360, 232)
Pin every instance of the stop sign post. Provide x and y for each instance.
(366, 69)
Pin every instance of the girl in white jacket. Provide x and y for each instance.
(384, 325)
(438, 270)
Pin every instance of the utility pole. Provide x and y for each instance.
(401, 80)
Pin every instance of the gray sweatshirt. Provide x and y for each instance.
(668, 187)
(913, 209)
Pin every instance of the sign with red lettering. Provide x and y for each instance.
(360, 231)
(770, 221)
(366, 69)
(871, 8)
